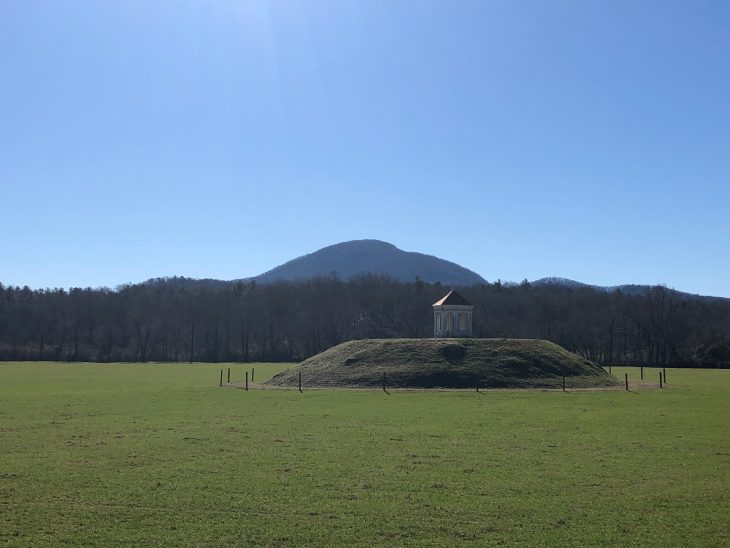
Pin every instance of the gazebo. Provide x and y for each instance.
(452, 316)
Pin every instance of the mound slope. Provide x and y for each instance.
(446, 363)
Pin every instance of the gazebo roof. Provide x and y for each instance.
(452, 298)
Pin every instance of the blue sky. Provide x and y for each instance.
(522, 139)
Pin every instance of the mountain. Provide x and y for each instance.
(561, 282)
(348, 259)
(626, 289)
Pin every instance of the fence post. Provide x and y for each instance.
(246, 380)
(627, 380)
(229, 375)
(660, 379)
(609, 369)
(300, 381)
(252, 371)
(642, 372)
(563, 383)
(221, 382)
(664, 370)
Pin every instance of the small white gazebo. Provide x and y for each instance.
(452, 316)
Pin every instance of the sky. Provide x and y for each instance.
(520, 139)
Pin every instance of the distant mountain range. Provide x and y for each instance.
(626, 289)
(348, 259)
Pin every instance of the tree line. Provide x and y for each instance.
(177, 319)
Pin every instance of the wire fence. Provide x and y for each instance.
(246, 380)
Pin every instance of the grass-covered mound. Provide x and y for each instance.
(447, 363)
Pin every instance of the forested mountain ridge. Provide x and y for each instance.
(346, 260)
(626, 289)
(357, 257)
(360, 257)
(556, 282)
(290, 321)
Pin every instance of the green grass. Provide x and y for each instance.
(447, 363)
(158, 454)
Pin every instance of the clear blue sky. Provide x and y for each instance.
(522, 139)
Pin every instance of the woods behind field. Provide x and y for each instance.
(177, 319)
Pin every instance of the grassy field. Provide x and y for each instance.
(120, 454)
